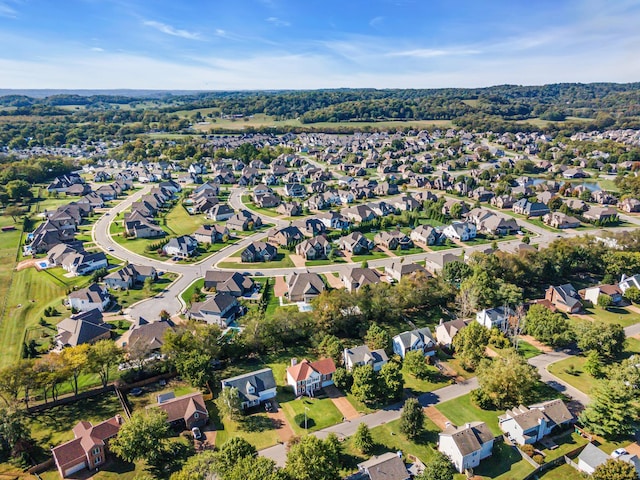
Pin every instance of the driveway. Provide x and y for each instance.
(280, 422)
(341, 402)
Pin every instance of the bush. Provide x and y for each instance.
(528, 449)
(481, 400)
(539, 459)
(299, 420)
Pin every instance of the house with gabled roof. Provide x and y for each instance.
(358, 277)
(185, 411)
(399, 269)
(89, 449)
(304, 287)
(466, 446)
(220, 309)
(84, 327)
(253, 388)
(149, 336)
(308, 377)
(497, 317)
(564, 298)
(362, 355)
(446, 331)
(314, 248)
(528, 425)
(184, 246)
(92, 297)
(419, 339)
(388, 466)
(259, 251)
(234, 283)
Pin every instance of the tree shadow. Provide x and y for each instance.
(256, 423)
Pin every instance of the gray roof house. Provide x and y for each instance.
(303, 287)
(85, 299)
(388, 466)
(420, 339)
(466, 446)
(85, 327)
(362, 355)
(220, 309)
(530, 425)
(358, 277)
(183, 246)
(259, 252)
(234, 283)
(254, 387)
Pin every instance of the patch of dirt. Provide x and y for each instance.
(31, 262)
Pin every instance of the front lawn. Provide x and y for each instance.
(435, 381)
(504, 464)
(563, 472)
(461, 410)
(126, 298)
(368, 257)
(282, 260)
(257, 429)
(613, 315)
(321, 413)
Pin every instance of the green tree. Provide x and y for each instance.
(456, 210)
(312, 459)
(411, 418)
(101, 357)
(438, 468)
(343, 379)
(608, 339)
(390, 381)
(12, 380)
(508, 380)
(632, 294)
(363, 440)
(233, 450)
(18, 190)
(593, 366)
(615, 470)
(229, 403)
(15, 436)
(455, 272)
(331, 347)
(143, 436)
(604, 301)
(258, 468)
(470, 344)
(548, 327)
(365, 384)
(611, 412)
(377, 338)
(415, 363)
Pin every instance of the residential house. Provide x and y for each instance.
(220, 212)
(259, 252)
(268, 200)
(362, 355)
(446, 331)
(560, 220)
(84, 327)
(490, 223)
(186, 411)
(419, 339)
(570, 173)
(497, 317)
(399, 269)
(89, 298)
(434, 263)
(315, 248)
(628, 282)
(211, 234)
(388, 466)
(303, 287)
(393, 240)
(83, 263)
(334, 220)
(601, 214)
(358, 277)
(130, 275)
(530, 209)
(386, 188)
(612, 291)
(564, 298)
(289, 209)
(446, 208)
(147, 336)
(629, 205)
(592, 457)
(462, 231)
(219, 309)
(244, 221)
(530, 425)
(233, 283)
(184, 246)
(295, 190)
(89, 448)
(310, 227)
(355, 243)
(253, 388)
(426, 235)
(286, 236)
(466, 446)
(308, 377)
(359, 213)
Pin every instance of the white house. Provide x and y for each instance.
(254, 387)
(466, 446)
(220, 309)
(462, 231)
(94, 296)
(446, 331)
(592, 457)
(419, 339)
(529, 425)
(628, 282)
(307, 377)
(361, 355)
(497, 317)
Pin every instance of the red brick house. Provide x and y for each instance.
(88, 449)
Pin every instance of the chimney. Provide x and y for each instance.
(467, 425)
(294, 361)
(119, 419)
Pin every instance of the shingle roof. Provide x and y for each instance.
(470, 437)
(261, 380)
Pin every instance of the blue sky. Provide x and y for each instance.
(304, 44)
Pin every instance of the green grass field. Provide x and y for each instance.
(505, 463)
(563, 472)
(418, 387)
(613, 315)
(321, 413)
(461, 410)
(283, 260)
(180, 222)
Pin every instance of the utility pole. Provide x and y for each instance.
(305, 419)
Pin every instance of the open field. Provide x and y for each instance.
(461, 410)
(619, 315)
(180, 222)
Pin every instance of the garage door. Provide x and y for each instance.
(74, 469)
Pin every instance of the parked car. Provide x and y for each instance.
(197, 434)
(136, 392)
(268, 406)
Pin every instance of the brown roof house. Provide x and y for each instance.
(89, 447)
(188, 410)
(564, 298)
(303, 287)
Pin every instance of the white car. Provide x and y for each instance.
(197, 434)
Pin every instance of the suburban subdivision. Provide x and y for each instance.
(430, 302)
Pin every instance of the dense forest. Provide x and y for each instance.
(67, 118)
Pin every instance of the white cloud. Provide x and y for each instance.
(431, 52)
(278, 22)
(97, 49)
(169, 30)
(7, 10)
(376, 21)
